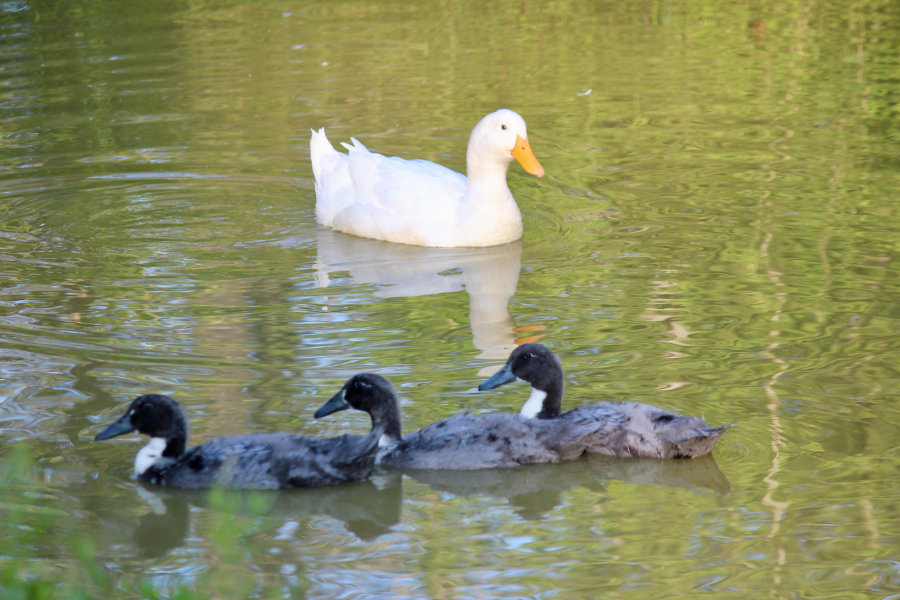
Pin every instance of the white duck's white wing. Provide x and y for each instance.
(388, 198)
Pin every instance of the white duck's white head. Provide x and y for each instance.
(498, 138)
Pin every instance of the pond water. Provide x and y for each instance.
(717, 234)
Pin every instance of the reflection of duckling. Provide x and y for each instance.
(614, 428)
(164, 527)
(368, 508)
(535, 489)
(460, 442)
(422, 203)
(699, 474)
(255, 461)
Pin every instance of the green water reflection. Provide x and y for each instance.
(717, 233)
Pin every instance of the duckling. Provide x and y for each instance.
(615, 428)
(461, 442)
(254, 461)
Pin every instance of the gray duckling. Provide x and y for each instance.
(254, 461)
(612, 428)
(539, 433)
(461, 442)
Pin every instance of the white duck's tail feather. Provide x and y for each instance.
(334, 187)
(321, 154)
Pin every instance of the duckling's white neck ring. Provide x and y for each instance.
(149, 455)
(534, 405)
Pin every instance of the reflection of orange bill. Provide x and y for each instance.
(529, 338)
(530, 328)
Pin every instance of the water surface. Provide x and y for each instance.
(717, 234)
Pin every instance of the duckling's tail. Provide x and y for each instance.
(690, 438)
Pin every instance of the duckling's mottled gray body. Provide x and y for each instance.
(481, 442)
(462, 442)
(267, 462)
(255, 461)
(612, 428)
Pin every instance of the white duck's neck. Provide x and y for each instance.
(486, 181)
(482, 170)
(488, 213)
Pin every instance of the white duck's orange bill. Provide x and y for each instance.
(522, 153)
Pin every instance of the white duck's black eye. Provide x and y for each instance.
(503, 127)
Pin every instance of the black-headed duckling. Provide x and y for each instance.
(460, 442)
(254, 461)
(613, 428)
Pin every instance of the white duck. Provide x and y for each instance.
(420, 202)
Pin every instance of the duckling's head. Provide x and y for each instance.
(499, 138)
(539, 367)
(370, 393)
(155, 415)
(151, 414)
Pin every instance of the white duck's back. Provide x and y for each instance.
(419, 202)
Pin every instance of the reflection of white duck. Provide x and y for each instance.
(488, 275)
(422, 203)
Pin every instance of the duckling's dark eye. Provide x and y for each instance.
(503, 127)
(528, 356)
(362, 385)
